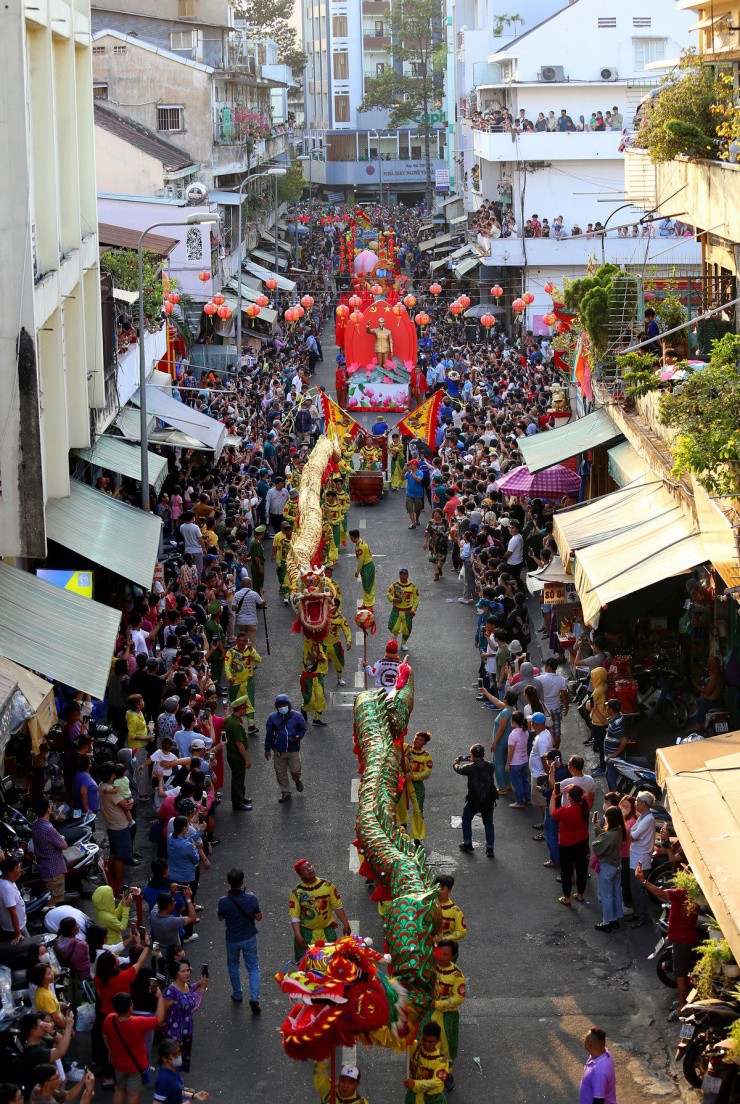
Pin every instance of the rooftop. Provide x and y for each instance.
(172, 157)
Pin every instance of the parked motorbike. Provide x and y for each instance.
(656, 695)
(704, 1024)
(715, 722)
(662, 955)
(721, 1079)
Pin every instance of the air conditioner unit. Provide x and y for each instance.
(608, 73)
(552, 73)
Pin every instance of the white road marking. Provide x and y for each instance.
(359, 680)
(355, 791)
(455, 822)
(354, 860)
(359, 637)
(362, 523)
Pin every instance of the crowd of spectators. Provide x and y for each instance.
(499, 119)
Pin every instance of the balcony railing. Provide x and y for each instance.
(376, 42)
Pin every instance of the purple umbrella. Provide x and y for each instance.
(551, 483)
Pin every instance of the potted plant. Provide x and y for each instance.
(687, 881)
(714, 954)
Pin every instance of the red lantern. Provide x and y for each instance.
(356, 317)
(307, 301)
(167, 307)
(355, 302)
(252, 310)
(464, 299)
(174, 297)
(497, 291)
(290, 315)
(299, 311)
(456, 308)
(549, 288)
(528, 298)
(421, 319)
(562, 328)
(224, 311)
(204, 277)
(518, 305)
(210, 308)
(435, 289)
(218, 300)
(399, 309)
(549, 319)
(271, 283)
(261, 300)
(487, 320)
(409, 301)
(342, 310)
(376, 290)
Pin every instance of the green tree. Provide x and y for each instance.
(290, 186)
(123, 267)
(682, 119)
(271, 19)
(705, 412)
(416, 40)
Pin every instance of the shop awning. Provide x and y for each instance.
(269, 258)
(603, 518)
(185, 418)
(225, 198)
(643, 555)
(438, 242)
(552, 572)
(265, 235)
(177, 439)
(107, 531)
(248, 292)
(160, 379)
(263, 274)
(703, 784)
(543, 450)
(719, 535)
(425, 227)
(60, 634)
(442, 263)
(266, 314)
(38, 693)
(465, 266)
(459, 220)
(115, 454)
(463, 252)
(625, 464)
(124, 296)
(128, 420)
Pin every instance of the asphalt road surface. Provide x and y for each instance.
(537, 973)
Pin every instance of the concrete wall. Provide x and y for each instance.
(707, 190)
(51, 357)
(216, 13)
(123, 168)
(209, 41)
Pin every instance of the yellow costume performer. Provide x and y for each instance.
(335, 514)
(331, 552)
(365, 570)
(449, 993)
(313, 673)
(338, 626)
(396, 452)
(239, 667)
(428, 1071)
(279, 551)
(404, 598)
(322, 1084)
(416, 765)
(453, 924)
(311, 908)
(371, 457)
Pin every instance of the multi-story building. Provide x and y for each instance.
(580, 62)
(51, 355)
(355, 153)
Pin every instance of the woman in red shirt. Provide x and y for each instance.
(109, 980)
(572, 822)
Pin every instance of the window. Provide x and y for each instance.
(647, 50)
(379, 28)
(119, 49)
(170, 118)
(641, 21)
(341, 109)
(380, 69)
(182, 40)
(416, 69)
(341, 65)
(100, 91)
(339, 26)
(606, 21)
(99, 50)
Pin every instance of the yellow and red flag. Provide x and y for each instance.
(423, 422)
(343, 424)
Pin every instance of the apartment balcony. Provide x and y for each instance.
(707, 191)
(579, 146)
(372, 173)
(376, 8)
(576, 252)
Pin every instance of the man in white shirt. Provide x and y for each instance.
(193, 539)
(577, 778)
(555, 700)
(642, 844)
(12, 906)
(514, 554)
(537, 768)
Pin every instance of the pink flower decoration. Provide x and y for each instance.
(408, 365)
(387, 379)
(389, 363)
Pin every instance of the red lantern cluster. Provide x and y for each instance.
(167, 307)
(262, 300)
(342, 310)
(271, 283)
(224, 311)
(307, 301)
(210, 309)
(218, 299)
(356, 317)
(355, 302)
(204, 277)
(528, 298)
(549, 288)
(456, 308)
(253, 310)
(465, 300)
(174, 297)
(376, 290)
(549, 319)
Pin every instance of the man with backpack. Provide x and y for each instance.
(481, 797)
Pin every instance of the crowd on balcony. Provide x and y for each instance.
(498, 119)
(497, 220)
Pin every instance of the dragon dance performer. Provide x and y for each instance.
(416, 766)
(313, 673)
(365, 568)
(371, 457)
(453, 924)
(239, 664)
(404, 598)
(312, 907)
(428, 1069)
(449, 993)
(338, 626)
(348, 1084)
(395, 448)
(384, 671)
(278, 554)
(336, 593)
(339, 482)
(331, 552)
(290, 510)
(335, 514)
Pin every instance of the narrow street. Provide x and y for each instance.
(537, 974)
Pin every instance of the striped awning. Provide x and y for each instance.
(115, 454)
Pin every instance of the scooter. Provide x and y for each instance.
(704, 1024)
(662, 955)
(655, 694)
(721, 1078)
(716, 722)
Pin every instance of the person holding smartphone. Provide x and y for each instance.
(572, 820)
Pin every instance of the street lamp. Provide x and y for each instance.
(276, 172)
(380, 165)
(307, 157)
(196, 218)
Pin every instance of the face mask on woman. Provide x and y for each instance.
(283, 709)
(177, 1062)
